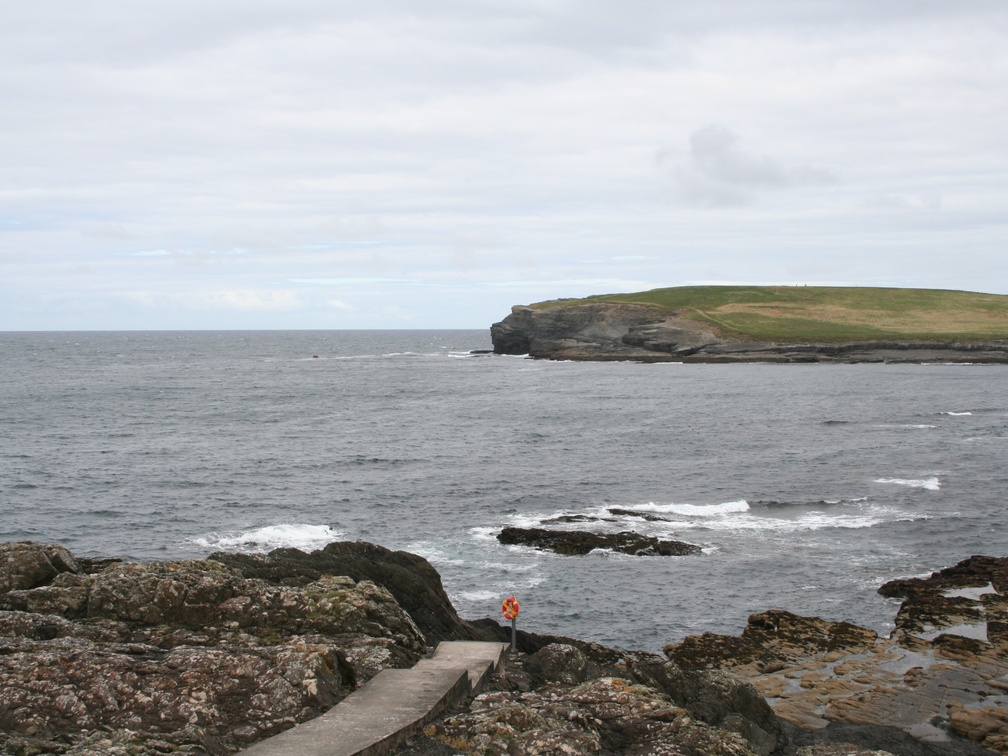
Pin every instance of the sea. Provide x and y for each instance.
(807, 486)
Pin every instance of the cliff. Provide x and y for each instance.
(762, 324)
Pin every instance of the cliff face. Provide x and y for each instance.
(599, 331)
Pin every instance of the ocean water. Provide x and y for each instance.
(807, 486)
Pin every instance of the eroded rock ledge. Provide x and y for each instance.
(943, 672)
(598, 331)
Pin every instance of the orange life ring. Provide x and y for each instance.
(510, 608)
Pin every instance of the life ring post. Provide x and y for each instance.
(510, 609)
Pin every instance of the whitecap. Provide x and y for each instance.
(475, 595)
(696, 510)
(485, 533)
(931, 484)
(269, 537)
(957, 414)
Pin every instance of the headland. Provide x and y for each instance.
(786, 324)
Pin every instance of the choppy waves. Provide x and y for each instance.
(932, 483)
(269, 537)
(705, 521)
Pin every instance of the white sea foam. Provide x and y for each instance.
(931, 484)
(476, 595)
(695, 510)
(807, 522)
(269, 537)
(484, 533)
(678, 520)
(957, 414)
(434, 554)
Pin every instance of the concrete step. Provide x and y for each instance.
(392, 706)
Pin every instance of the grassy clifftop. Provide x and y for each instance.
(827, 313)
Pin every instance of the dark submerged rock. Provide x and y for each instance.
(620, 512)
(574, 542)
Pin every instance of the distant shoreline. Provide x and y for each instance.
(763, 324)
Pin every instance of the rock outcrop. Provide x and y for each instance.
(578, 542)
(600, 331)
(208, 656)
(411, 580)
(559, 700)
(940, 677)
(187, 656)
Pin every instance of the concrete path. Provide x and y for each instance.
(392, 706)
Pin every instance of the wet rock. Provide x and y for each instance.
(649, 517)
(772, 638)
(573, 542)
(573, 518)
(938, 680)
(952, 596)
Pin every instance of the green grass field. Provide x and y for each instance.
(829, 314)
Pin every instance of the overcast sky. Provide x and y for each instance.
(326, 164)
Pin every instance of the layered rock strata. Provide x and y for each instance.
(599, 331)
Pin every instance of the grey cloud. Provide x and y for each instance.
(145, 144)
(716, 172)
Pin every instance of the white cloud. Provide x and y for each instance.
(253, 301)
(286, 156)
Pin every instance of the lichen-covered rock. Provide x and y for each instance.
(68, 685)
(24, 564)
(411, 579)
(560, 663)
(718, 699)
(132, 658)
(605, 715)
(203, 593)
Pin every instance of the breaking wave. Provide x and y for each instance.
(930, 484)
(261, 540)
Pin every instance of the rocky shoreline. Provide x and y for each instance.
(599, 331)
(99, 656)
